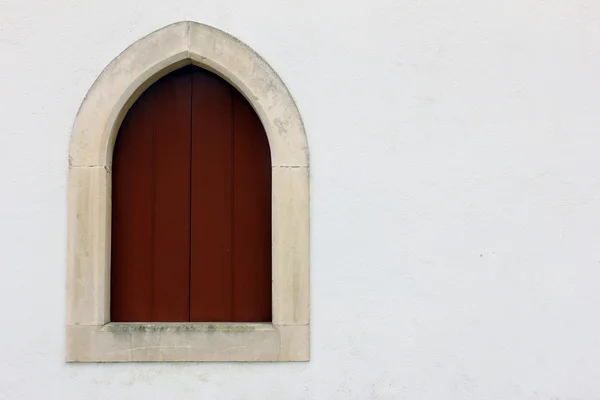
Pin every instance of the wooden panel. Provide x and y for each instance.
(132, 216)
(211, 242)
(191, 206)
(251, 216)
(172, 109)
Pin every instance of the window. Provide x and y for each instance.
(197, 202)
(191, 206)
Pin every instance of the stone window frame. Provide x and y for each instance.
(90, 336)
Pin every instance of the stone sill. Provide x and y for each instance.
(187, 342)
(185, 327)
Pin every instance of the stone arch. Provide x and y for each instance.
(90, 335)
(170, 48)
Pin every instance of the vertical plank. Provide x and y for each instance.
(251, 216)
(132, 216)
(172, 128)
(211, 268)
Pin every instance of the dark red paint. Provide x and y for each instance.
(191, 222)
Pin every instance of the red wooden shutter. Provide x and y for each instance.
(172, 198)
(151, 206)
(191, 228)
(132, 239)
(212, 199)
(251, 215)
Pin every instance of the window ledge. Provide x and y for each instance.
(151, 342)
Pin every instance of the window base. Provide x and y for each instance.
(151, 342)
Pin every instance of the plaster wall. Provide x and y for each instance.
(455, 195)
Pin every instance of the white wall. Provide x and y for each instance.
(455, 195)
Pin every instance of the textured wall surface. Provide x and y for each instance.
(455, 177)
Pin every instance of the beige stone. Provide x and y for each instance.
(243, 68)
(118, 86)
(90, 337)
(294, 343)
(88, 246)
(186, 342)
(291, 246)
(87, 343)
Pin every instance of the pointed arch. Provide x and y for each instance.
(90, 334)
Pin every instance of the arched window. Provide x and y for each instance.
(188, 219)
(191, 206)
